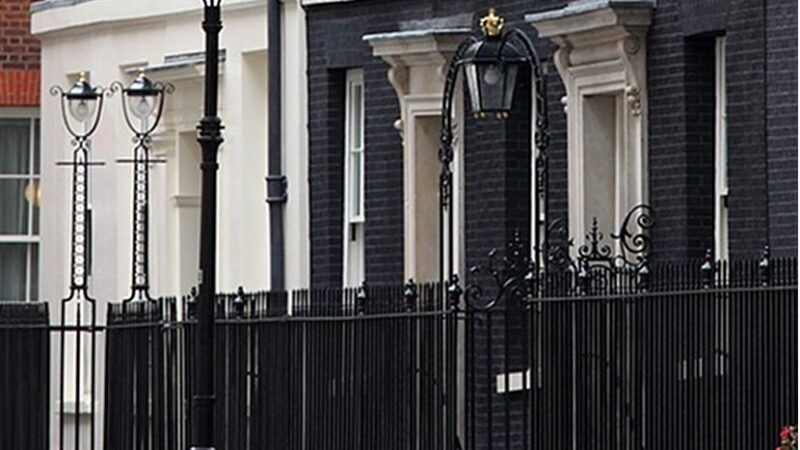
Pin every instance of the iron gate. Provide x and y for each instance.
(607, 350)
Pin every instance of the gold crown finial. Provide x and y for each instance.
(492, 24)
(141, 72)
(82, 77)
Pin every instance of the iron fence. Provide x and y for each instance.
(326, 368)
(24, 376)
(680, 356)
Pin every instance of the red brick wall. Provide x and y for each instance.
(19, 56)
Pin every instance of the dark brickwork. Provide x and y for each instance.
(782, 124)
(763, 195)
(746, 127)
(680, 71)
(326, 159)
(681, 140)
(334, 40)
(497, 159)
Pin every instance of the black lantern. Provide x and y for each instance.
(143, 100)
(492, 61)
(491, 65)
(83, 103)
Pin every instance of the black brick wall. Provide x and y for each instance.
(681, 135)
(334, 41)
(497, 163)
(782, 124)
(763, 195)
(746, 133)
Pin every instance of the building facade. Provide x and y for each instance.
(165, 41)
(686, 106)
(20, 154)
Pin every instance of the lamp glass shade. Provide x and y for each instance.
(491, 67)
(142, 95)
(491, 86)
(82, 109)
(82, 100)
(141, 106)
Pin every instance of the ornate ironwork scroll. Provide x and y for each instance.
(596, 266)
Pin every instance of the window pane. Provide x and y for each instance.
(34, 194)
(355, 184)
(34, 278)
(15, 144)
(36, 148)
(13, 207)
(12, 271)
(356, 117)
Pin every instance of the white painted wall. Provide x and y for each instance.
(106, 38)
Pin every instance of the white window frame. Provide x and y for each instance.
(30, 239)
(354, 215)
(355, 78)
(720, 153)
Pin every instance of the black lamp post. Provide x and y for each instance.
(491, 63)
(210, 137)
(144, 100)
(81, 108)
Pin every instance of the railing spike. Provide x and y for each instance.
(764, 266)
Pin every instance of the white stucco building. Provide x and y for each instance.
(111, 40)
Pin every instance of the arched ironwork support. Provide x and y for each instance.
(539, 153)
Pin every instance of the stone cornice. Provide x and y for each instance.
(407, 49)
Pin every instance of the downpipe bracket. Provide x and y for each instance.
(277, 189)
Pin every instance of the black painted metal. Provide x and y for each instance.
(210, 138)
(141, 160)
(607, 350)
(542, 140)
(78, 330)
(24, 375)
(701, 356)
(342, 369)
(148, 348)
(276, 181)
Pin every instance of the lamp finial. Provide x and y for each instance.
(492, 24)
(82, 77)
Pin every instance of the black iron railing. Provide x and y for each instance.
(693, 355)
(682, 356)
(24, 375)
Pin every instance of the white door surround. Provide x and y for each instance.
(418, 63)
(602, 62)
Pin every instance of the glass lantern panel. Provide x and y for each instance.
(141, 106)
(492, 86)
(472, 84)
(510, 86)
(82, 109)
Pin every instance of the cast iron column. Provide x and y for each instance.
(210, 138)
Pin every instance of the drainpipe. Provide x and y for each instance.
(276, 181)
